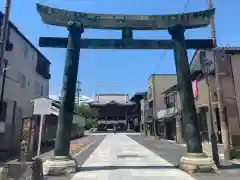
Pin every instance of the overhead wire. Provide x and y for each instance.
(165, 51)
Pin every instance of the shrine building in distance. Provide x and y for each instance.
(113, 109)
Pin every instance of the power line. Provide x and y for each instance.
(164, 53)
(11, 79)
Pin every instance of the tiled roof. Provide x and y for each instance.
(129, 103)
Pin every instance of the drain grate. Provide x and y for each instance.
(129, 156)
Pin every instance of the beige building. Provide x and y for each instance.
(27, 78)
(157, 84)
(229, 68)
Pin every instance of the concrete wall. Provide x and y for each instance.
(22, 63)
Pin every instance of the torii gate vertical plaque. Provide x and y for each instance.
(176, 24)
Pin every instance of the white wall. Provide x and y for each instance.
(23, 60)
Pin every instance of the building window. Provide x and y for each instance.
(37, 88)
(149, 94)
(29, 83)
(43, 67)
(25, 51)
(41, 91)
(170, 101)
(22, 79)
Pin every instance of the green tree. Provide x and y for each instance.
(85, 111)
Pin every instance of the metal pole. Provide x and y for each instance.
(144, 125)
(4, 31)
(222, 115)
(215, 154)
(224, 125)
(40, 134)
(154, 107)
(3, 89)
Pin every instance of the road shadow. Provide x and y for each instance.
(98, 168)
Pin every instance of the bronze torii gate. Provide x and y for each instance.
(176, 24)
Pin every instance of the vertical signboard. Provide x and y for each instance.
(195, 88)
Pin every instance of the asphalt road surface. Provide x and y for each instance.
(173, 152)
(133, 156)
(80, 149)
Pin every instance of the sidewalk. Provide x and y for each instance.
(119, 157)
(207, 147)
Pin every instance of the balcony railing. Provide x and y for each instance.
(43, 67)
(166, 112)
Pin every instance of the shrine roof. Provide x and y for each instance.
(106, 103)
(61, 17)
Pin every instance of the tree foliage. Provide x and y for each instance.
(85, 111)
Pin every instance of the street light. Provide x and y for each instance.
(207, 68)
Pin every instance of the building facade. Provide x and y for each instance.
(229, 65)
(144, 115)
(157, 84)
(230, 89)
(27, 78)
(137, 111)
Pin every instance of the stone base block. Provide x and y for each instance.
(59, 165)
(197, 163)
(22, 170)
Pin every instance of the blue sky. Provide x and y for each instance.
(129, 68)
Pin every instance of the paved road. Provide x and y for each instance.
(80, 149)
(172, 153)
(108, 156)
(78, 146)
(119, 157)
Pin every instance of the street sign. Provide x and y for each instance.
(42, 106)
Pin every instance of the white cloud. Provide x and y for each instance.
(83, 98)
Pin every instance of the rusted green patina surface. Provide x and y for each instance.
(56, 42)
(60, 17)
(189, 115)
(65, 118)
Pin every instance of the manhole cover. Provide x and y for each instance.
(129, 156)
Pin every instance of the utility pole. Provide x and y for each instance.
(4, 31)
(78, 90)
(222, 115)
(154, 107)
(2, 90)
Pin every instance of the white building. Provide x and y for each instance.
(27, 78)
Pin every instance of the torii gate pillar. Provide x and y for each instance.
(62, 162)
(195, 159)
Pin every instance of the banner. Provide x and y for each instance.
(195, 88)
